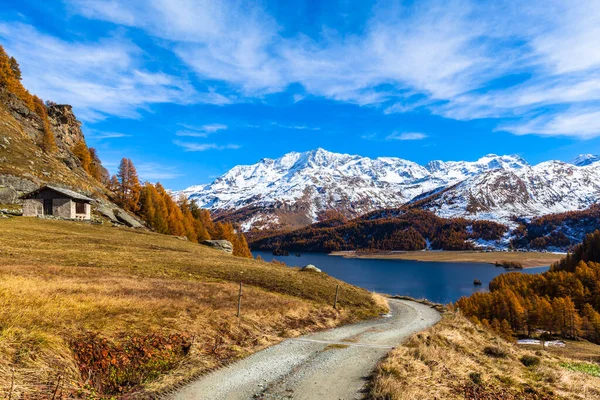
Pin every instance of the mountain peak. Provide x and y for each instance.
(585, 159)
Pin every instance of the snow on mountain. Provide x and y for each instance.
(292, 190)
(528, 191)
(585, 159)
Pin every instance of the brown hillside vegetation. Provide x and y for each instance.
(393, 229)
(89, 309)
(457, 359)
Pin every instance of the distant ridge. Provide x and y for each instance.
(295, 189)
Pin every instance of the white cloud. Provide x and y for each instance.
(445, 57)
(406, 136)
(188, 146)
(200, 131)
(100, 78)
(581, 123)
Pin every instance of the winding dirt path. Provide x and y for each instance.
(333, 364)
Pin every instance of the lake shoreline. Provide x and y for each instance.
(527, 259)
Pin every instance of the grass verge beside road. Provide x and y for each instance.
(456, 359)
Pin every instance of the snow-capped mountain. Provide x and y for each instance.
(546, 188)
(292, 190)
(585, 159)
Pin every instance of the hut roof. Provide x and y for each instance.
(67, 192)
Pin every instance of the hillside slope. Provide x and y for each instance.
(75, 297)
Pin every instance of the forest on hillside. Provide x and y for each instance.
(559, 231)
(402, 230)
(163, 214)
(563, 301)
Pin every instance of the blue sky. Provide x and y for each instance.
(187, 89)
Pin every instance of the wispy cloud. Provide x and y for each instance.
(442, 57)
(406, 136)
(157, 172)
(188, 146)
(100, 78)
(99, 135)
(200, 131)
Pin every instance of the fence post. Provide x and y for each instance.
(337, 292)
(239, 310)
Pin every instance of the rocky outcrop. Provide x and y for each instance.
(223, 245)
(310, 268)
(107, 212)
(66, 127)
(127, 219)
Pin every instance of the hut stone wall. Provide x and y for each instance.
(33, 207)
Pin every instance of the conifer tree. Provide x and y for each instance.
(128, 190)
(82, 152)
(14, 66)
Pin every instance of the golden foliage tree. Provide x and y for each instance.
(82, 152)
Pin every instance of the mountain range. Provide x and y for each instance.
(297, 188)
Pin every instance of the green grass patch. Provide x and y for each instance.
(586, 368)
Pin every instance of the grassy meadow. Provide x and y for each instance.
(458, 360)
(96, 311)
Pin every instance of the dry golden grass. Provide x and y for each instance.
(527, 259)
(450, 361)
(59, 279)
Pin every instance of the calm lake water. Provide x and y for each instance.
(441, 282)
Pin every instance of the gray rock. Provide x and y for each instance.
(223, 245)
(310, 268)
(8, 195)
(107, 212)
(127, 219)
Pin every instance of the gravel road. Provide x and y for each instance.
(333, 364)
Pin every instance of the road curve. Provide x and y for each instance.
(333, 364)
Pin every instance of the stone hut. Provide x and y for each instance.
(58, 202)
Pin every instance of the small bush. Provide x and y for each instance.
(509, 264)
(116, 368)
(530, 361)
(475, 377)
(494, 351)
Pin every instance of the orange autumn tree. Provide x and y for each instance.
(128, 186)
(82, 152)
(184, 218)
(564, 301)
(10, 79)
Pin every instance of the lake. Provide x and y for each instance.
(441, 282)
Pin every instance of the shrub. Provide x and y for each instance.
(475, 377)
(529, 361)
(115, 368)
(494, 351)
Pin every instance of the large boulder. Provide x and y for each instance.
(310, 268)
(223, 245)
(107, 212)
(127, 219)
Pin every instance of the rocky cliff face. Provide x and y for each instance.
(23, 164)
(66, 127)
